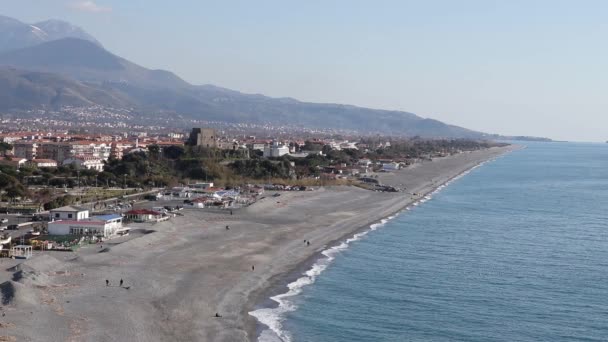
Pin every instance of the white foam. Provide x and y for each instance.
(273, 317)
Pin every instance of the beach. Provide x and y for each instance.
(178, 274)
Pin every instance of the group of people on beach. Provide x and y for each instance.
(217, 315)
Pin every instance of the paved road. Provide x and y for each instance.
(16, 219)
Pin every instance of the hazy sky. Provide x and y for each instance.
(510, 67)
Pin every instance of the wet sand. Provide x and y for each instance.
(181, 272)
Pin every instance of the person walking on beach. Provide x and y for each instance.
(253, 267)
(307, 243)
(107, 282)
(120, 282)
(227, 227)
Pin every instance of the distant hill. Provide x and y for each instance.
(259, 108)
(15, 34)
(73, 71)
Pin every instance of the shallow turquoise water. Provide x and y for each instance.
(517, 250)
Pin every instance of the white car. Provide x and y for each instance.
(4, 220)
(3, 228)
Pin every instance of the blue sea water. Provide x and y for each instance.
(517, 250)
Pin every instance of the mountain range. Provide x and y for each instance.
(15, 34)
(55, 64)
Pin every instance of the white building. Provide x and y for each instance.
(176, 135)
(348, 145)
(181, 192)
(275, 150)
(364, 162)
(258, 146)
(144, 215)
(90, 163)
(203, 186)
(391, 166)
(70, 213)
(42, 163)
(97, 226)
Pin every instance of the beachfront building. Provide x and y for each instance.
(200, 203)
(181, 192)
(103, 226)
(70, 213)
(391, 166)
(203, 186)
(143, 215)
(74, 220)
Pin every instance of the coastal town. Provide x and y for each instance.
(316, 171)
(69, 195)
(84, 186)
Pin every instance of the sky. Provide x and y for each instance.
(511, 67)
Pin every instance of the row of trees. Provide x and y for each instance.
(175, 164)
(416, 148)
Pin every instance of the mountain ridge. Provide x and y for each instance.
(98, 76)
(15, 34)
(86, 61)
(23, 90)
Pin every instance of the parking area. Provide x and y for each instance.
(21, 221)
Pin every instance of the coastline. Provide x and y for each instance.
(282, 285)
(183, 271)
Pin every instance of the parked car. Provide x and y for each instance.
(38, 218)
(13, 227)
(4, 220)
(3, 228)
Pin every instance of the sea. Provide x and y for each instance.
(515, 250)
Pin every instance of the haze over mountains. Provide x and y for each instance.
(54, 64)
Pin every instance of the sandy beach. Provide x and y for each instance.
(178, 274)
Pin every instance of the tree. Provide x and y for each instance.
(12, 187)
(173, 152)
(5, 147)
(154, 151)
